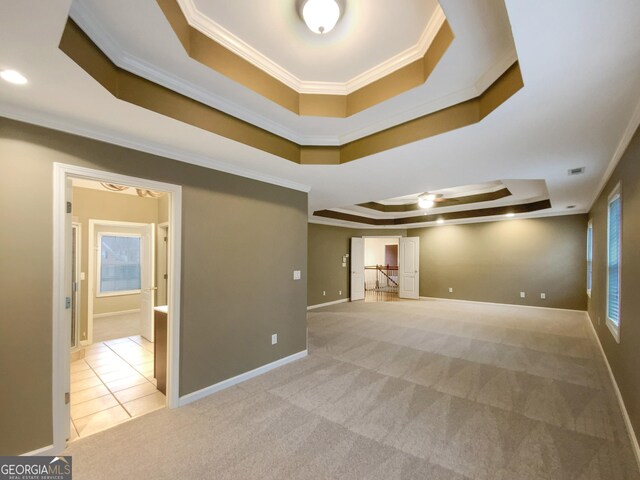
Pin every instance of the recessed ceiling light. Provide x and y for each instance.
(321, 15)
(440, 221)
(510, 215)
(12, 76)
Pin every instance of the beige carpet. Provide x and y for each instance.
(401, 390)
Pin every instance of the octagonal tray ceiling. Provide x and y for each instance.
(481, 51)
(371, 39)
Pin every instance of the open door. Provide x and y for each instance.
(409, 267)
(147, 281)
(65, 362)
(357, 268)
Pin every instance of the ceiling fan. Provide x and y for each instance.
(428, 200)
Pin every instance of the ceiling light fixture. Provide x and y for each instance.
(321, 15)
(440, 221)
(12, 76)
(427, 200)
(509, 215)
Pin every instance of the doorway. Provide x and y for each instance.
(381, 269)
(114, 378)
(374, 278)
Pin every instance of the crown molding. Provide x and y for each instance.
(80, 128)
(484, 82)
(224, 37)
(508, 58)
(631, 129)
(91, 25)
(410, 226)
(112, 49)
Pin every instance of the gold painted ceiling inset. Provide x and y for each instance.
(212, 54)
(139, 91)
(445, 202)
(530, 196)
(459, 215)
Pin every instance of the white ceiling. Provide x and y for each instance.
(580, 62)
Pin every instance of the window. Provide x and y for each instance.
(589, 257)
(614, 241)
(118, 264)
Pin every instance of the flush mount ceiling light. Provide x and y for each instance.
(12, 76)
(321, 15)
(509, 215)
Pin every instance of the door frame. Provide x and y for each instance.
(78, 260)
(93, 265)
(364, 251)
(61, 330)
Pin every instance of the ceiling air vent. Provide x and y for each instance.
(571, 206)
(576, 171)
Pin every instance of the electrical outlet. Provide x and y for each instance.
(324, 293)
(543, 296)
(339, 292)
(522, 295)
(274, 339)
(296, 275)
(450, 289)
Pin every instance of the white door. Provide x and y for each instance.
(357, 268)
(68, 315)
(409, 267)
(147, 277)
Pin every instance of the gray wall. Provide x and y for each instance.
(327, 245)
(495, 261)
(624, 357)
(241, 240)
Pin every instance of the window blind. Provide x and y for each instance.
(613, 263)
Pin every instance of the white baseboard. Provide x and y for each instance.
(114, 314)
(625, 414)
(501, 304)
(44, 451)
(197, 395)
(320, 305)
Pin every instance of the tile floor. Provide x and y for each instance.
(112, 383)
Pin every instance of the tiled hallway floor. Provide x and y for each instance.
(112, 383)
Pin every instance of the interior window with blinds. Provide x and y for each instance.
(119, 264)
(613, 262)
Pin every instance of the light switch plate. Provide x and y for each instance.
(522, 294)
(274, 339)
(296, 274)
